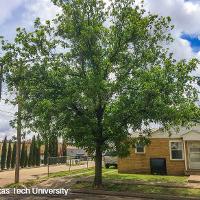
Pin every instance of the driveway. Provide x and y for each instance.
(7, 177)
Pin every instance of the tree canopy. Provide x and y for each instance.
(98, 71)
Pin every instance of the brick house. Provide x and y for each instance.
(175, 154)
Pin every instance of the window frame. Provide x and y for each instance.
(136, 152)
(170, 150)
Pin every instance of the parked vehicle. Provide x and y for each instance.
(110, 159)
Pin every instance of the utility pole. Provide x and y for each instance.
(19, 125)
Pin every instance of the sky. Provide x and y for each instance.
(185, 15)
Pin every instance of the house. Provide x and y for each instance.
(75, 151)
(177, 153)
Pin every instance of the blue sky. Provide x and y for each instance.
(193, 40)
(21, 13)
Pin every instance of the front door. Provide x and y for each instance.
(194, 155)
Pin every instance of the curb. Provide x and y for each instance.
(132, 194)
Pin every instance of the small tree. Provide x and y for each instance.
(64, 148)
(13, 156)
(53, 146)
(63, 151)
(9, 155)
(22, 156)
(32, 153)
(38, 146)
(3, 154)
(30, 156)
(26, 157)
(46, 152)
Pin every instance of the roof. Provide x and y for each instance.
(183, 131)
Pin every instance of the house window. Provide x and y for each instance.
(176, 150)
(139, 148)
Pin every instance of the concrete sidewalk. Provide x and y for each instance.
(7, 177)
(194, 179)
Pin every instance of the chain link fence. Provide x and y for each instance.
(70, 162)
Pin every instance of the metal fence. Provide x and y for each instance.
(70, 161)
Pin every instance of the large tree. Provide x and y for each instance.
(98, 71)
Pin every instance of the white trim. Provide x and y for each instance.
(140, 152)
(185, 153)
(189, 154)
(170, 152)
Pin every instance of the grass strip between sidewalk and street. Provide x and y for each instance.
(114, 175)
(143, 189)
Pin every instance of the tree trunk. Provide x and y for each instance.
(98, 167)
(18, 146)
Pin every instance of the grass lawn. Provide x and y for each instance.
(144, 189)
(110, 175)
(76, 173)
(114, 175)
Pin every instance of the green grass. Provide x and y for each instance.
(76, 173)
(109, 175)
(142, 189)
(114, 175)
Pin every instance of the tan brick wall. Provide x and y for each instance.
(140, 163)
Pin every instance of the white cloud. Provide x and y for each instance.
(7, 7)
(5, 117)
(185, 16)
(44, 9)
